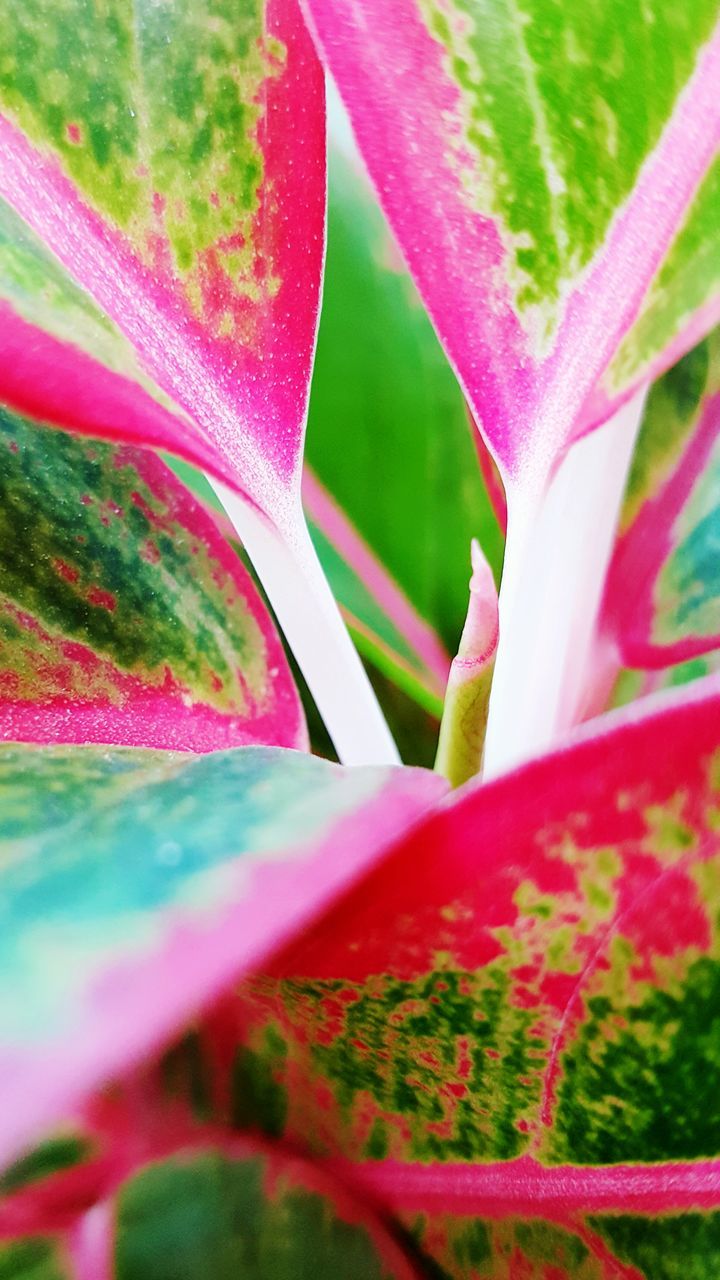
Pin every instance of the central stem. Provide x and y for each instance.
(556, 560)
(305, 607)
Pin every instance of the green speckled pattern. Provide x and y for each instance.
(538, 975)
(102, 546)
(508, 1248)
(154, 110)
(560, 106)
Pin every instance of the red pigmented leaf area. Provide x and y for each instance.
(509, 1036)
(505, 1041)
(125, 617)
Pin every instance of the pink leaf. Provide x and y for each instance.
(513, 1019)
(158, 878)
(545, 233)
(185, 245)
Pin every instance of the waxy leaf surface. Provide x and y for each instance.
(662, 603)
(125, 617)
(135, 884)
(538, 163)
(172, 158)
(509, 1031)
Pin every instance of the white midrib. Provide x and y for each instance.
(307, 612)
(556, 562)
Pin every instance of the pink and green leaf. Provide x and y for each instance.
(125, 617)
(662, 604)
(514, 1016)
(65, 362)
(550, 156)
(161, 154)
(157, 878)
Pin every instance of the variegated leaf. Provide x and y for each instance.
(187, 1206)
(136, 884)
(662, 602)
(125, 617)
(538, 163)
(162, 153)
(508, 1034)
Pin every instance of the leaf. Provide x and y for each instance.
(212, 1205)
(124, 615)
(156, 878)
(64, 362)
(537, 164)
(161, 153)
(662, 604)
(513, 1019)
(388, 435)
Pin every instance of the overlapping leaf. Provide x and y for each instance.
(510, 1028)
(538, 163)
(662, 601)
(125, 616)
(136, 883)
(172, 159)
(174, 1206)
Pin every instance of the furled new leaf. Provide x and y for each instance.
(125, 617)
(135, 884)
(662, 603)
(509, 1031)
(538, 163)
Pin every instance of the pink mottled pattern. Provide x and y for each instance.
(125, 1010)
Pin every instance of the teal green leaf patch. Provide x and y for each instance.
(122, 867)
